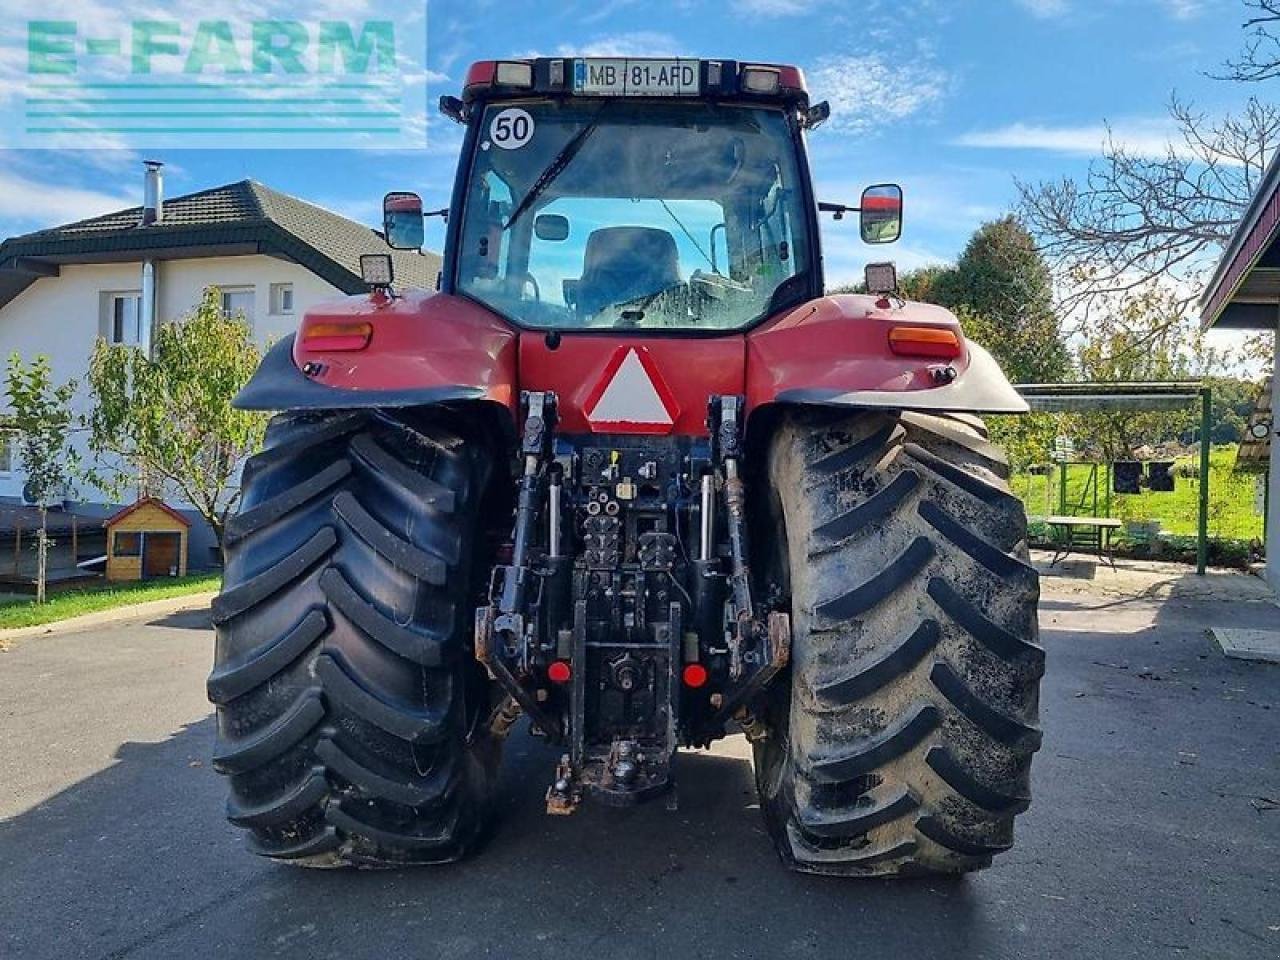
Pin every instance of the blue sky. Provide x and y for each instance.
(953, 100)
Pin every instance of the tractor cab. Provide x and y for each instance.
(639, 195)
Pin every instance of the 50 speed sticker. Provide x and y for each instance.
(511, 129)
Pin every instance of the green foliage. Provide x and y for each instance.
(1026, 439)
(1003, 288)
(919, 284)
(41, 417)
(1003, 294)
(1142, 339)
(1231, 497)
(170, 417)
(925, 284)
(1233, 402)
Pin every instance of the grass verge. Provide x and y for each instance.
(73, 603)
(1231, 498)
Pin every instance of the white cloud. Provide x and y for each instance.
(43, 204)
(1056, 9)
(868, 90)
(774, 8)
(1147, 137)
(640, 43)
(1183, 9)
(1045, 9)
(606, 9)
(845, 257)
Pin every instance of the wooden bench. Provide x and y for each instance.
(1096, 536)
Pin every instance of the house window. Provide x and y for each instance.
(282, 299)
(127, 544)
(7, 441)
(238, 301)
(124, 317)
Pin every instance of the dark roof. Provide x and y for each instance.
(119, 515)
(1245, 290)
(20, 515)
(239, 218)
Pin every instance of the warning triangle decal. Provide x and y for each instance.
(631, 396)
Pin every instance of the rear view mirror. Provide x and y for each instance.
(551, 226)
(881, 210)
(402, 221)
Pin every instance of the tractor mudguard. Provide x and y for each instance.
(835, 351)
(415, 349)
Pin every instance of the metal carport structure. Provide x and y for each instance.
(1107, 397)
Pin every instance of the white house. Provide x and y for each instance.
(114, 276)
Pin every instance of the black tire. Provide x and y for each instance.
(350, 713)
(902, 743)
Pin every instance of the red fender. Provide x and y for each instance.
(835, 351)
(421, 348)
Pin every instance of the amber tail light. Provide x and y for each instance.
(934, 342)
(337, 337)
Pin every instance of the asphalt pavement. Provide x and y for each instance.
(1154, 831)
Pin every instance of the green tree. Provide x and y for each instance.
(166, 422)
(927, 284)
(1146, 338)
(1233, 403)
(41, 417)
(1003, 289)
(919, 284)
(1027, 439)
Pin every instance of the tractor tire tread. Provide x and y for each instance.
(349, 714)
(902, 742)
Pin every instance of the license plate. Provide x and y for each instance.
(637, 78)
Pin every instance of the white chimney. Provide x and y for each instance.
(153, 194)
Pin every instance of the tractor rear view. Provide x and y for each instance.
(631, 475)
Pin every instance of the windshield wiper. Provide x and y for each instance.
(555, 168)
(692, 239)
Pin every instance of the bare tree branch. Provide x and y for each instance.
(1260, 59)
(1136, 219)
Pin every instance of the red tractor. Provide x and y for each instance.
(629, 473)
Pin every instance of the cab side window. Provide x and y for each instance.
(484, 260)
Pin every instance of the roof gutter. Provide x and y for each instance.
(1267, 189)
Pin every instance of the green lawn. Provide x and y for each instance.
(1231, 498)
(72, 603)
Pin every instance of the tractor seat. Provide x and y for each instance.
(625, 263)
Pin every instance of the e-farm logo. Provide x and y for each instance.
(223, 82)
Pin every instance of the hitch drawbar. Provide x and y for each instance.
(615, 636)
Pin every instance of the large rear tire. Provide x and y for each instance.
(903, 742)
(350, 715)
